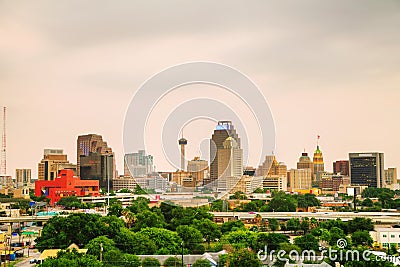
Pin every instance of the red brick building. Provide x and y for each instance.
(341, 166)
(66, 184)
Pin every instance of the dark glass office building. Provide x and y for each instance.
(367, 169)
(97, 167)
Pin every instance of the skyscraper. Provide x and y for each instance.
(198, 168)
(391, 176)
(138, 164)
(54, 160)
(299, 179)
(278, 168)
(91, 143)
(305, 162)
(223, 130)
(319, 167)
(367, 169)
(96, 161)
(342, 167)
(263, 169)
(230, 159)
(22, 177)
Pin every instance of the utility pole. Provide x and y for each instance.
(182, 253)
(101, 252)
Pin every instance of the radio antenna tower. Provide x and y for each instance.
(3, 146)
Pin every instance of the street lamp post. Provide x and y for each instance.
(182, 253)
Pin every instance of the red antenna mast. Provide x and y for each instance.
(3, 146)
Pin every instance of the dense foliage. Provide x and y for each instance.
(117, 238)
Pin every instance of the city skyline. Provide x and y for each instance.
(63, 76)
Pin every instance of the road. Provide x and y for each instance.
(33, 254)
(379, 217)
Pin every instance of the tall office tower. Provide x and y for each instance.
(299, 179)
(199, 169)
(278, 168)
(22, 177)
(54, 160)
(318, 162)
(305, 162)
(230, 159)
(182, 142)
(391, 176)
(92, 143)
(367, 169)
(263, 169)
(223, 130)
(96, 160)
(342, 167)
(138, 164)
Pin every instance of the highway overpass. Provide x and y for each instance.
(377, 217)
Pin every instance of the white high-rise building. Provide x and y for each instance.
(138, 164)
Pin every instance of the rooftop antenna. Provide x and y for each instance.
(3, 146)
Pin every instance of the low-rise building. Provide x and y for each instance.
(66, 184)
(384, 237)
(275, 182)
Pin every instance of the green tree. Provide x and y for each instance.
(217, 205)
(78, 228)
(138, 205)
(386, 199)
(305, 226)
(186, 216)
(361, 238)
(393, 249)
(94, 246)
(232, 226)
(115, 209)
(307, 242)
(282, 202)
(372, 192)
(243, 257)
(192, 238)
(367, 202)
(150, 262)
(335, 233)
(271, 240)
(135, 243)
(139, 191)
(238, 195)
(148, 219)
(71, 259)
(208, 228)
(240, 239)
(70, 202)
(132, 260)
(273, 224)
(293, 224)
(172, 262)
(167, 242)
(125, 190)
(360, 223)
(201, 263)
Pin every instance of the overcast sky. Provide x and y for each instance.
(326, 67)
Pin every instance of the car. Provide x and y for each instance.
(32, 247)
(32, 261)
